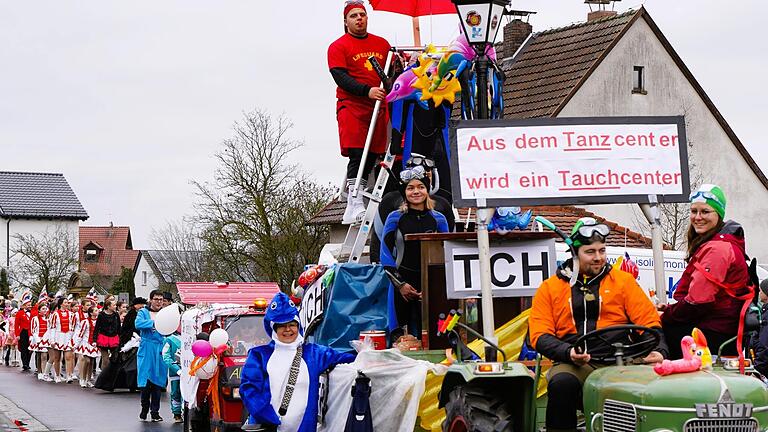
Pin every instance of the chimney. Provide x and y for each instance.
(515, 33)
(600, 14)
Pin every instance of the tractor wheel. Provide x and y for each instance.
(474, 409)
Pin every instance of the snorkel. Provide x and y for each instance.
(569, 241)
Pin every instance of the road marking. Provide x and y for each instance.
(13, 412)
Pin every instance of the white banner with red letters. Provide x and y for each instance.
(569, 161)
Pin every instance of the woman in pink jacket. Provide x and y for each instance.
(713, 288)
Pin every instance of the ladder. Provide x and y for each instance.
(358, 232)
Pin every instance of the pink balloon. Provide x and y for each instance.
(201, 348)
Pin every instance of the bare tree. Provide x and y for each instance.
(674, 217)
(254, 213)
(180, 252)
(45, 259)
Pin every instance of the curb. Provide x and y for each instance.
(9, 410)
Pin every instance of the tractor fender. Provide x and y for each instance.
(514, 376)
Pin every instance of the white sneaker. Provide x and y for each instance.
(47, 378)
(82, 384)
(355, 210)
(89, 384)
(56, 379)
(40, 376)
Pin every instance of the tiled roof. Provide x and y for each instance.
(117, 251)
(163, 261)
(38, 195)
(565, 217)
(551, 67)
(553, 63)
(330, 214)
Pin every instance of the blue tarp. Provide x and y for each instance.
(357, 302)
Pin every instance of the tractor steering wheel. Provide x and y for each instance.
(608, 344)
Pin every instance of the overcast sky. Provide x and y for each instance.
(131, 99)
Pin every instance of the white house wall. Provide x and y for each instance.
(32, 226)
(607, 92)
(144, 288)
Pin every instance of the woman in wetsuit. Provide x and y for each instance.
(401, 258)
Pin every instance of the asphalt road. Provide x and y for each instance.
(67, 407)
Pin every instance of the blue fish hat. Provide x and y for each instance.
(281, 310)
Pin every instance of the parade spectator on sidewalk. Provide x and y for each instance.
(22, 327)
(357, 92)
(173, 363)
(106, 332)
(152, 372)
(286, 362)
(713, 287)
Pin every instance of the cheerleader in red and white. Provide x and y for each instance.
(62, 327)
(38, 343)
(85, 346)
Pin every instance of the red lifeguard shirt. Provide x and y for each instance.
(351, 53)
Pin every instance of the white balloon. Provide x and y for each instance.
(168, 319)
(207, 370)
(218, 338)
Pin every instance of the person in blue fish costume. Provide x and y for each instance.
(152, 372)
(280, 380)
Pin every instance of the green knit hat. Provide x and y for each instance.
(713, 196)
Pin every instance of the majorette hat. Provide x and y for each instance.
(43, 298)
(26, 298)
(60, 293)
(92, 295)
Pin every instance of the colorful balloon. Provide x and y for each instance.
(218, 337)
(201, 348)
(168, 319)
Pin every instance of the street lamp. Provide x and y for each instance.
(481, 20)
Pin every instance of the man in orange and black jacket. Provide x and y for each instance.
(561, 313)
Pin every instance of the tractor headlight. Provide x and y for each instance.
(236, 392)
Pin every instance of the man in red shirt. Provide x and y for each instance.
(357, 92)
(22, 329)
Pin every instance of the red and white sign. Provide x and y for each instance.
(570, 160)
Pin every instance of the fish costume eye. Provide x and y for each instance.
(273, 306)
(291, 303)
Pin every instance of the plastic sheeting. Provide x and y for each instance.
(397, 384)
(357, 302)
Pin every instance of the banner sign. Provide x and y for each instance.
(569, 161)
(517, 269)
(312, 305)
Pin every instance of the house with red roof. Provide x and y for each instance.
(104, 252)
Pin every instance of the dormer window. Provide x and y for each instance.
(91, 255)
(638, 80)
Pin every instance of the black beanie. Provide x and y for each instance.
(424, 180)
(764, 286)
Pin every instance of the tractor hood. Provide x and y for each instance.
(640, 385)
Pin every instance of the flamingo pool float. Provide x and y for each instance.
(689, 363)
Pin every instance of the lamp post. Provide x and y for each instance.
(481, 20)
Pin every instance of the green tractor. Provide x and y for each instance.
(501, 396)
